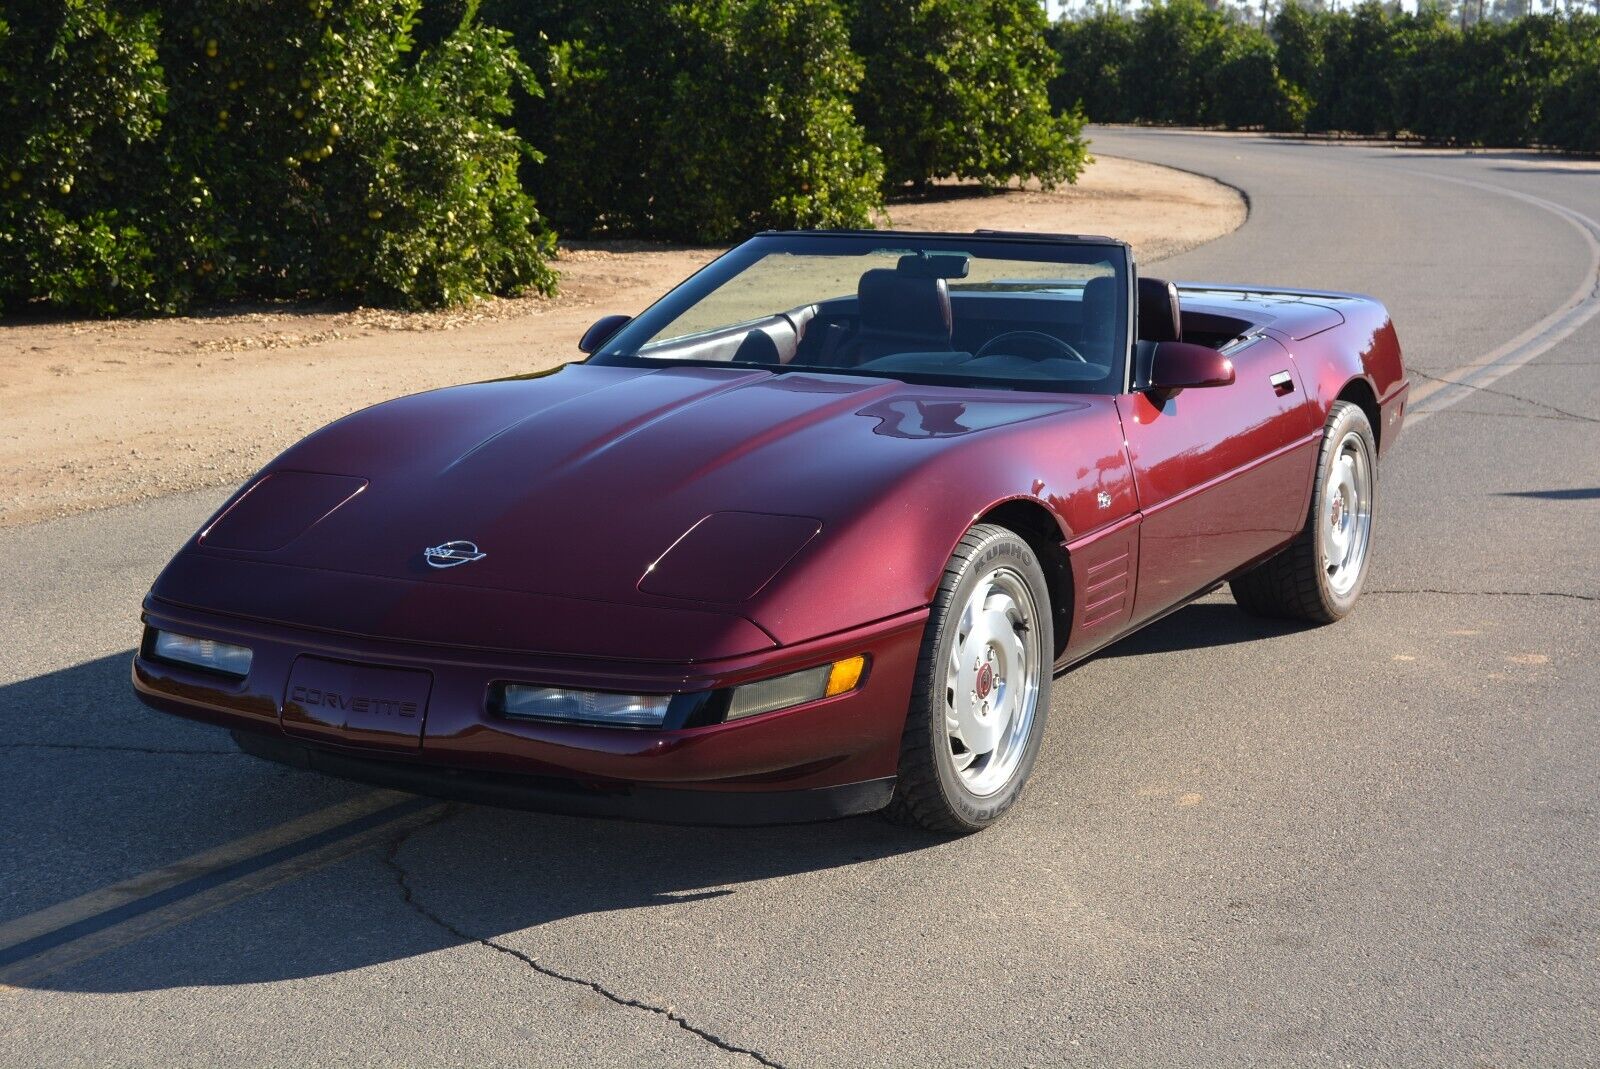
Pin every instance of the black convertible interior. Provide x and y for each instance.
(918, 317)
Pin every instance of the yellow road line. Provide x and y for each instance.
(1580, 306)
(62, 914)
(32, 969)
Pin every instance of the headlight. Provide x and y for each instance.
(796, 688)
(699, 709)
(584, 706)
(204, 653)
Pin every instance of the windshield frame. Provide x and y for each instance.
(622, 348)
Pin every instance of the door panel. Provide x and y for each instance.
(1222, 474)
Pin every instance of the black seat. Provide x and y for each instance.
(757, 348)
(1159, 320)
(1099, 327)
(900, 313)
(1159, 317)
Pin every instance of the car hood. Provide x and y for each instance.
(576, 482)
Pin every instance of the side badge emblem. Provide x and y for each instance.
(451, 554)
(1104, 500)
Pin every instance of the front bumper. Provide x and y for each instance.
(555, 795)
(823, 759)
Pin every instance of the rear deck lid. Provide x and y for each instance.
(1292, 313)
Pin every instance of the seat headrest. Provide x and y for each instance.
(1159, 317)
(935, 265)
(1099, 316)
(1100, 297)
(888, 300)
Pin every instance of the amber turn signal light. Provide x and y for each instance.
(845, 675)
(796, 688)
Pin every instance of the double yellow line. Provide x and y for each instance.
(1582, 305)
(65, 934)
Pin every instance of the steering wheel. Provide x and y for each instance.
(1044, 346)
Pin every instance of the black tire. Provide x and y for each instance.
(929, 792)
(1295, 584)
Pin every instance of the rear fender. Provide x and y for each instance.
(1364, 348)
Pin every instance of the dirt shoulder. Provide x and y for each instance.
(98, 413)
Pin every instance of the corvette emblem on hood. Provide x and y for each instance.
(450, 554)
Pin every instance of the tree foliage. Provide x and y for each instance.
(206, 149)
(960, 87)
(84, 98)
(696, 120)
(1211, 70)
(1373, 71)
(346, 161)
(159, 153)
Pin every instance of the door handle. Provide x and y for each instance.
(1282, 383)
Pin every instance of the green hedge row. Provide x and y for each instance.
(200, 151)
(693, 121)
(698, 120)
(1371, 71)
(960, 87)
(160, 153)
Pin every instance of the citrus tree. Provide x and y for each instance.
(694, 120)
(158, 155)
(79, 159)
(961, 87)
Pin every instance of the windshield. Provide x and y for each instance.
(1033, 314)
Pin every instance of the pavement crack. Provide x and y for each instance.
(100, 748)
(1565, 413)
(391, 858)
(1492, 593)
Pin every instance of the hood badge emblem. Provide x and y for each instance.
(450, 554)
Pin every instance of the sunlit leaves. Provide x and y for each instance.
(959, 87)
(695, 120)
(1374, 70)
(262, 148)
(83, 99)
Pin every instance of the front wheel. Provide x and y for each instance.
(983, 687)
(1320, 575)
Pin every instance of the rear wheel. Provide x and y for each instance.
(983, 688)
(1320, 575)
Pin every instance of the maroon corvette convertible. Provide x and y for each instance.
(808, 537)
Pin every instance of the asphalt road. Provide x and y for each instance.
(1374, 843)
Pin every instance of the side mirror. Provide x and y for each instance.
(602, 331)
(1180, 365)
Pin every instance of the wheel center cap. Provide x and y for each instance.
(1338, 510)
(985, 681)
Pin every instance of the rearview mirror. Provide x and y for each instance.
(1180, 365)
(602, 331)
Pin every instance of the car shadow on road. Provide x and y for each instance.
(110, 789)
(1201, 626)
(1582, 493)
(102, 789)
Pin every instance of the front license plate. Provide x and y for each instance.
(356, 704)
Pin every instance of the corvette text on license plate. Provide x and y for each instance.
(357, 704)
